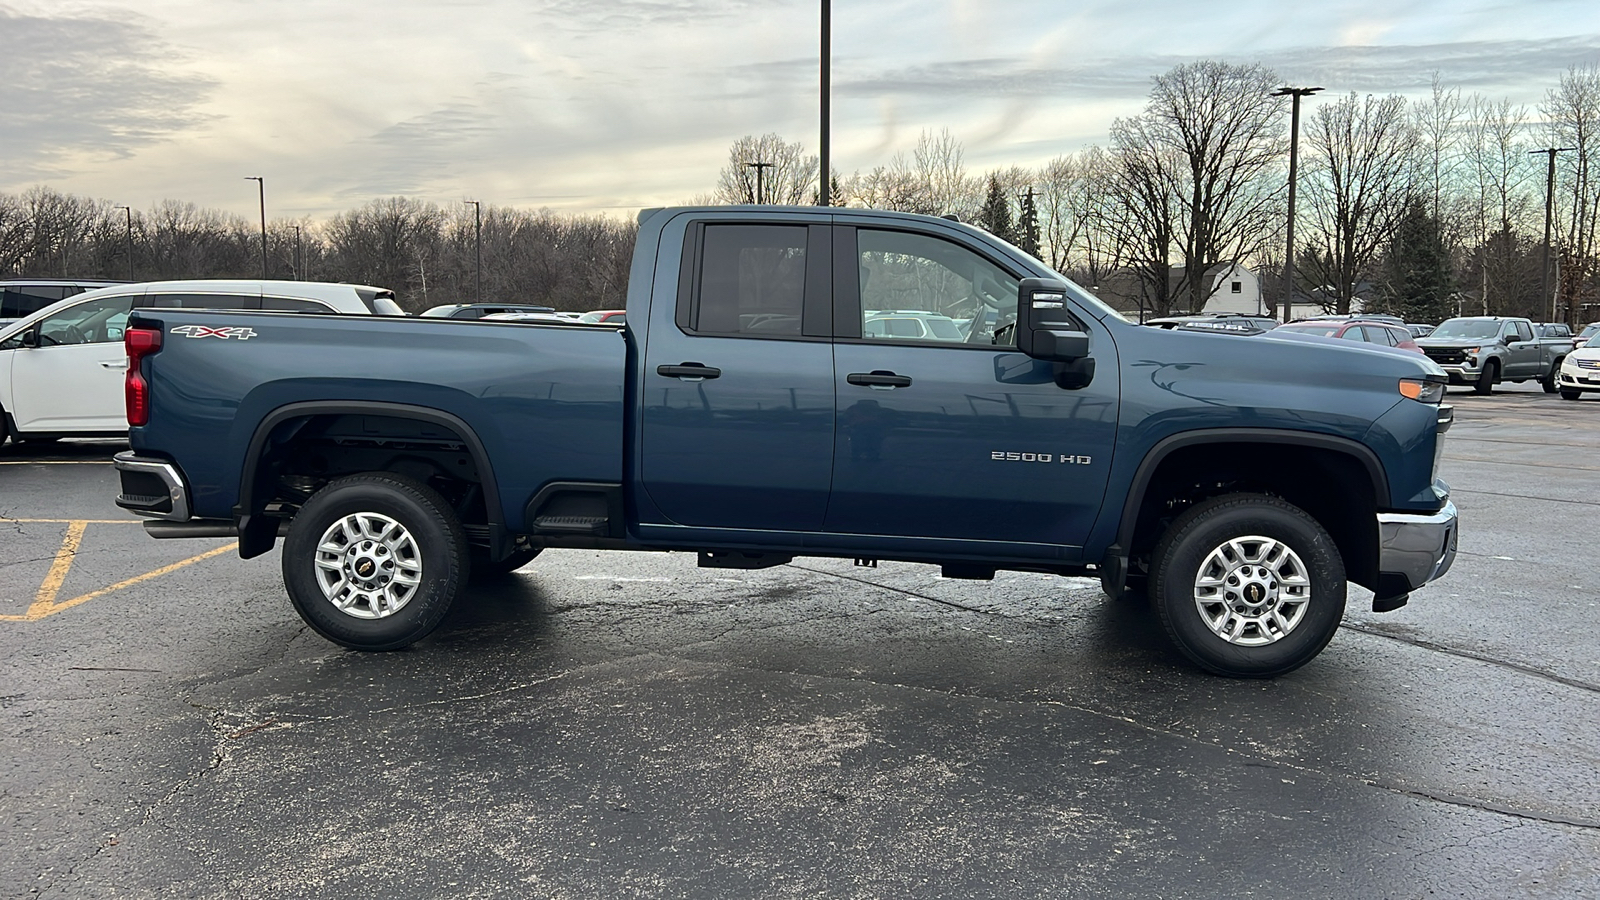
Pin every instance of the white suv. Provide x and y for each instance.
(1580, 370)
(61, 368)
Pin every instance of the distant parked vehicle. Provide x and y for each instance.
(479, 310)
(1351, 317)
(1580, 371)
(1585, 334)
(911, 325)
(1380, 334)
(614, 316)
(1484, 350)
(1418, 331)
(61, 368)
(548, 318)
(1230, 322)
(25, 296)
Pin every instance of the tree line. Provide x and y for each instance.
(427, 254)
(1423, 208)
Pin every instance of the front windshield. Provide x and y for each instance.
(1474, 329)
(1594, 342)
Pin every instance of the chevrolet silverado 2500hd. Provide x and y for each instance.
(745, 413)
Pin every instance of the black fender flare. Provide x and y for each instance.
(1116, 562)
(258, 533)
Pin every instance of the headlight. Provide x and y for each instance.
(1422, 390)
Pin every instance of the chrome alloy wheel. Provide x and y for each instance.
(368, 565)
(1252, 590)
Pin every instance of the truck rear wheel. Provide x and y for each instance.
(1248, 586)
(373, 561)
(1553, 380)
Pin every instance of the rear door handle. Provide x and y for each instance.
(879, 379)
(689, 371)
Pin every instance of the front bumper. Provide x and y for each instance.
(1413, 549)
(1461, 374)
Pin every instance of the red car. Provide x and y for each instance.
(1380, 333)
(616, 316)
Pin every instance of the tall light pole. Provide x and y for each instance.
(477, 232)
(1549, 213)
(823, 198)
(299, 274)
(1294, 160)
(760, 167)
(262, 184)
(129, 211)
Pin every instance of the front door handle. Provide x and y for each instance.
(689, 371)
(879, 379)
(115, 363)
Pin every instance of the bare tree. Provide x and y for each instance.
(789, 175)
(1212, 133)
(1436, 122)
(1572, 111)
(1358, 185)
(1503, 183)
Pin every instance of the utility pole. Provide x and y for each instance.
(129, 211)
(299, 273)
(261, 183)
(1549, 213)
(760, 167)
(1294, 160)
(823, 198)
(477, 232)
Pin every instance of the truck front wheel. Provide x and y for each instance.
(1487, 378)
(373, 561)
(1248, 586)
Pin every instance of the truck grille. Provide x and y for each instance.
(1446, 357)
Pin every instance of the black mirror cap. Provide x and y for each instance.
(1046, 328)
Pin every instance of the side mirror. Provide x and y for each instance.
(30, 338)
(1045, 328)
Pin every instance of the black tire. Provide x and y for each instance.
(1570, 395)
(438, 547)
(1486, 380)
(1191, 547)
(484, 570)
(1552, 381)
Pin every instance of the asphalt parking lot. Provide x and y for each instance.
(627, 725)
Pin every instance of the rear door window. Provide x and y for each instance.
(201, 301)
(17, 301)
(752, 280)
(295, 304)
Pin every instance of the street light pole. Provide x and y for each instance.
(299, 274)
(823, 198)
(261, 183)
(760, 167)
(129, 211)
(1294, 160)
(477, 231)
(1549, 213)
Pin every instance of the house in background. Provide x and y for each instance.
(1234, 289)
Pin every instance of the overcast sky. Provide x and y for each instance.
(612, 105)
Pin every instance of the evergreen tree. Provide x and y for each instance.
(1028, 225)
(1418, 283)
(995, 217)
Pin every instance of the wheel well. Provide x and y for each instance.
(1334, 488)
(302, 453)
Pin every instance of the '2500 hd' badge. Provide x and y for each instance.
(204, 331)
(1016, 456)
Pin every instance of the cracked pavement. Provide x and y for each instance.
(632, 726)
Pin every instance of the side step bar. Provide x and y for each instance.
(200, 528)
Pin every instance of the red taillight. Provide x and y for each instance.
(140, 342)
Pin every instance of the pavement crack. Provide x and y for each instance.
(1474, 656)
(910, 593)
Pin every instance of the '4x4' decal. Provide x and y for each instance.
(204, 331)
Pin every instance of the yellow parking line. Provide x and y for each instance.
(44, 602)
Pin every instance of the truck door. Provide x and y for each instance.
(71, 380)
(1522, 351)
(737, 389)
(942, 432)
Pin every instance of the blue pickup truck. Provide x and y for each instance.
(746, 413)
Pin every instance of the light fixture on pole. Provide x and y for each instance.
(1294, 159)
(823, 198)
(262, 184)
(477, 232)
(760, 167)
(129, 211)
(1549, 212)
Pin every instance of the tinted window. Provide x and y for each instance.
(752, 280)
(200, 301)
(1379, 335)
(1354, 333)
(294, 304)
(470, 312)
(1524, 333)
(17, 301)
(949, 290)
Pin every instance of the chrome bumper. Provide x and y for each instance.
(151, 487)
(1417, 548)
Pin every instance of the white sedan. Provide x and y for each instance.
(1580, 371)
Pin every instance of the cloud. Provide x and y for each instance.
(80, 84)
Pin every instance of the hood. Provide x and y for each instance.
(1449, 343)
